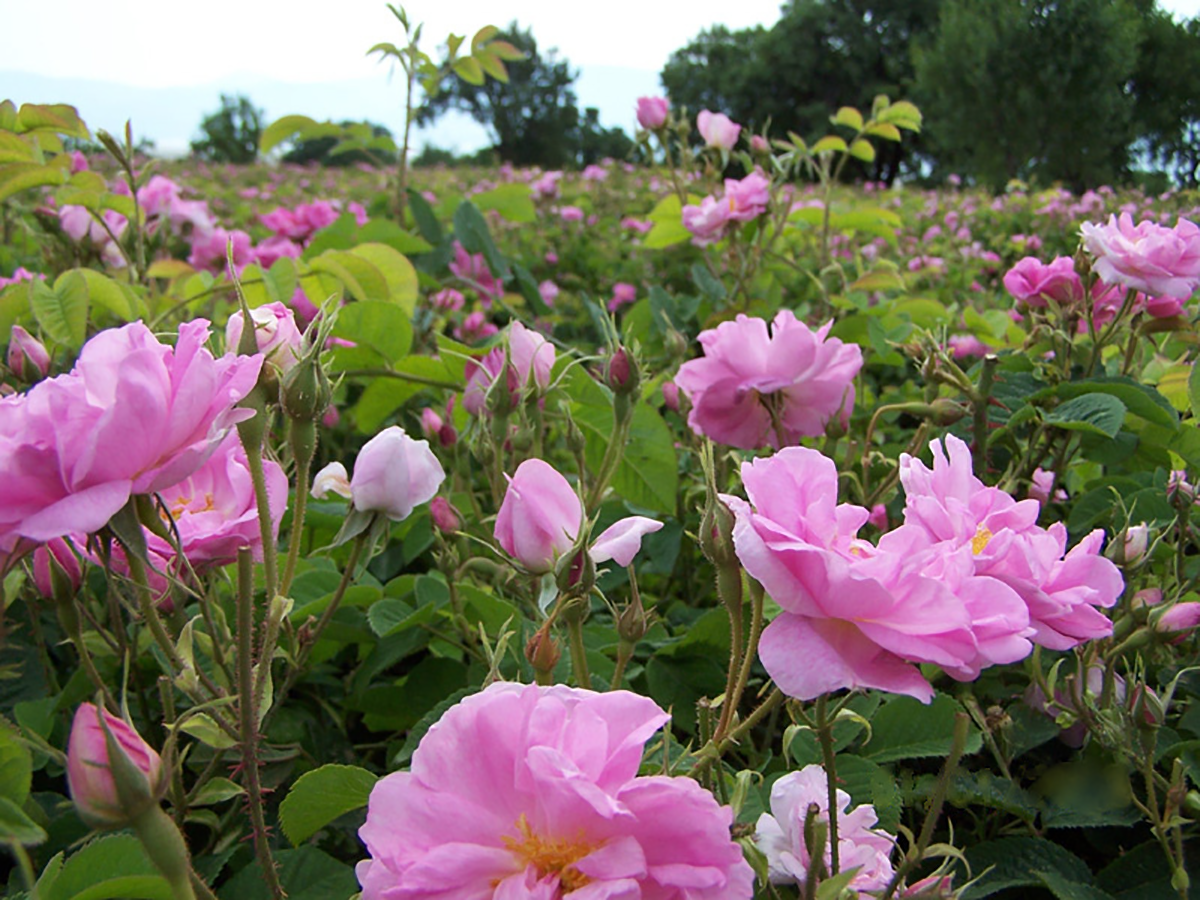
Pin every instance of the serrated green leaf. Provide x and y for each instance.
(905, 728)
(16, 767)
(1095, 412)
(61, 310)
(202, 727)
(320, 796)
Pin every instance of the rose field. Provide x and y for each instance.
(704, 525)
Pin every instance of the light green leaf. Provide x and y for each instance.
(398, 272)
(320, 796)
(16, 767)
(848, 116)
(513, 201)
(282, 129)
(61, 310)
(828, 144)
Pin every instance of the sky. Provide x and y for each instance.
(163, 62)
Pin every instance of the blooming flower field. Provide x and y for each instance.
(704, 529)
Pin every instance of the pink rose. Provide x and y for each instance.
(393, 475)
(533, 792)
(753, 389)
(530, 357)
(540, 516)
(1031, 282)
(473, 269)
(780, 833)
(652, 112)
(90, 774)
(622, 540)
(275, 332)
(1147, 258)
(623, 295)
(571, 214)
(133, 417)
(717, 130)
(748, 198)
(27, 357)
(706, 221)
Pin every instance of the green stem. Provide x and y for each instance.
(980, 399)
(248, 715)
(165, 846)
(303, 463)
(829, 760)
(917, 851)
(265, 527)
(25, 864)
(402, 376)
(578, 651)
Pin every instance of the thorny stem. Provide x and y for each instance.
(829, 761)
(248, 715)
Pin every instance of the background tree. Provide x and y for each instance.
(820, 55)
(1031, 89)
(532, 120)
(321, 150)
(231, 134)
(1166, 90)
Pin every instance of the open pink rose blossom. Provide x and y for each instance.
(523, 791)
(68, 460)
(756, 389)
(780, 833)
(1146, 257)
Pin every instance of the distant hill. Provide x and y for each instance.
(170, 116)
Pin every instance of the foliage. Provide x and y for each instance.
(232, 133)
(377, 148)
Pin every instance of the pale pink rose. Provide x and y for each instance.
(393, 474)
(758, 144)
(639, 225)
(1147, 257)
(209, 250)
(717, 129)
(540, 516)
(332, 479)
(21, 274)
(623, 295)
(275, 332)
(359, 212)
(548, 291)
(276, 248)
(27, 357)
(473, 269)
(852, 617)
(748, 198)
(312, 217)
(756, 389)
(962, 518)
(780, 833)
(622, 540)
(594, 173)
(283, 223)
(475, 328)
(571, 214)
(530, 358)
(133, 417)
(1181, 617)
(215, 512)
(524, 791)
(431, 422)
(89, 768)
(547, 185)
(55, 553)
(79, 162)
(652, 112)
(965, 346)
(448, 300)
(1033, 283)
(190, 212)
(706, 221)
(157, 196)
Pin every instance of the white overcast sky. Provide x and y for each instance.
(159, 43)
(147, 46)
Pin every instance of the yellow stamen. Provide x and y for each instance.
(551, 856)
(980, 541)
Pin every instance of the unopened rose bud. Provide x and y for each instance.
(56, 570)
(1131, 546)
(1179, 619)
(447, 436)
(110, 792)
(670, 392)
(621, 373)
(304, 391)
(445, 516)
(27, 356)
(542, 651)
(716, 534)
(431, 422)
(758, 144)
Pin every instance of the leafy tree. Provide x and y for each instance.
(232, 133)
(1031, 89)
(331, 150)
(597, 142)
(820, 55)
(533, 120)
(1166, 88)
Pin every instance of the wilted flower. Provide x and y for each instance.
(753, 389)
(533, 792)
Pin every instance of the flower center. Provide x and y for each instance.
(551, 856)
(980, 541)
